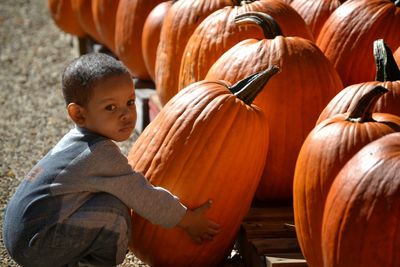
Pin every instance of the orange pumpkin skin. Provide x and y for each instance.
(104, 13)
(361, 219)
(397, 55)
(348, 34)
(387, 75)
(151, 35)
(315, 12)
(83, 11)
(179, 24)
(130, 18)
(285, 100)
(325, 151)
(204, 144)
(64, 17)
(217, 33)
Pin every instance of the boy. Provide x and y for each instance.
(72, 207)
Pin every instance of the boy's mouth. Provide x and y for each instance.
(127, 127)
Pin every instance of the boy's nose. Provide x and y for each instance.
(126, 113)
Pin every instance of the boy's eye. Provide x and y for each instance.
(111, 107)
(131, 102)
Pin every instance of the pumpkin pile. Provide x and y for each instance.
(273, 100)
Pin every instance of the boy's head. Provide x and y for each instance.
(99, 94)
(83, 73)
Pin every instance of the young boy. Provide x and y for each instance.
(72, 208)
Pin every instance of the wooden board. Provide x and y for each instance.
(267, 237)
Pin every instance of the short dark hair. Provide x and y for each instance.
(84, 72)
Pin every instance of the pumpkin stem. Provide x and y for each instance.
(362, 112)
(248, 88)
(386, 66)
(267, 23)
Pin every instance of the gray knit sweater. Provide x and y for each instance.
(80, 165)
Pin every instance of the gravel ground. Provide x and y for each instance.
(33, 53)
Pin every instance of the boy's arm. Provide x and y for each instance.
(107, 170)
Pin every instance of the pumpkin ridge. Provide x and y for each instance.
(160, 119)
(198, 144)
(190, 118)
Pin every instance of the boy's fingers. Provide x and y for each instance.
(214, 225)
(213, 231)
(206, 205)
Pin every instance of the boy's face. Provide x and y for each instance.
(111, 110)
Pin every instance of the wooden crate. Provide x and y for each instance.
(267, 237)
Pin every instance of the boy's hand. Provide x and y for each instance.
(196, 224)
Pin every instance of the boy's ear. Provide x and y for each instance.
(76, 113)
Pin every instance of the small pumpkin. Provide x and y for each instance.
(104, 14)
(218, 32)
(326, 150)
(151, 35)
(387, 75)
(347, 36)
(64, 17)
(206, 143)
(361, 218)
(307, 75)
(181, 20)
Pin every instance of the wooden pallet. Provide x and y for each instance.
(267, 238)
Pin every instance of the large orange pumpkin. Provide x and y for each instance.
(347, 36)
(179, 24)
(151, 35)
(206, 143)
(387, 75)
(315, 12)
(361, 219)
(83, 11)
(292, 100)
(218, 32)
(130, 18)
(325, 151)
(104, 13)
(64, 17)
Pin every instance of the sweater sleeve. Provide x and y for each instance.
(106, 169)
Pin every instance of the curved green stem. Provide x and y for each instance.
(267, 23)
(248, 88)
(362, 112)
(386, 66)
